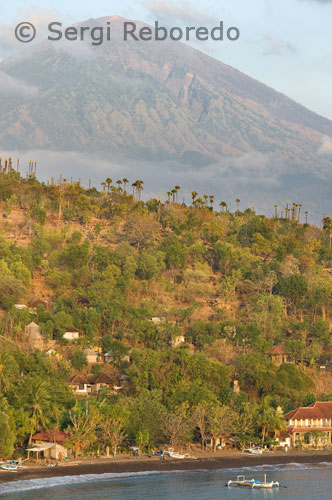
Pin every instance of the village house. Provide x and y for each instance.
(71, 335)
(80, 385)
(158, 319)
(100, 381)
(49, 444)
(310, 425)
(284, 439)
(91, 355)
(279, 355)
(34, 336)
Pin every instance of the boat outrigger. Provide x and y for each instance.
(252, 483)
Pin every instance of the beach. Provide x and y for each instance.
(130, 464)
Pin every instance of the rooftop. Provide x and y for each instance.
(319, 409)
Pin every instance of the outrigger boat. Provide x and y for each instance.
(253, 483)
(10, 466)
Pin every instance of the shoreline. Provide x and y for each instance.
(122, 465)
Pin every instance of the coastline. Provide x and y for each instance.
(127, 464)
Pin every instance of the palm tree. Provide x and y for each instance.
(276, 211)
(211, 197)
(287, 210)
(169, 194)
(194, 196)
(223, 205)
(139, 188)
(300, 206)
(173, 194)
(177, 188)
(6, 363)
(108, 182)
(237, 201)
(39, 402)
(134, 186)
(104, 186)
(119, 182)
(306, 216)
(125, 182)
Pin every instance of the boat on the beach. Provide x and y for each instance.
(253, 483)
(254, 451)
(9, 466)
(174, 454)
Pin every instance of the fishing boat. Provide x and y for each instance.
(254, 451)
(241, 481)
(9, 466)
(253, 483)
(174, 454)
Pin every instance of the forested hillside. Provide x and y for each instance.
(194, 306)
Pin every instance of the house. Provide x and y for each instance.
(284, 439)
(34, 336)
(101, 380)
(91, 355)
(49, 444)
(158, 319)
(71, 335)
(279, 355)
(311, 424)
(80, 385)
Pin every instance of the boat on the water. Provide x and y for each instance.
(253, 483)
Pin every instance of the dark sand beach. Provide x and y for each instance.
(123, 464)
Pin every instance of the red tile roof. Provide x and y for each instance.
(55, 436)
(278, 349)
(319, 409)
(78, 379)
(102, 378)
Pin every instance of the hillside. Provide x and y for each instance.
(174, 303)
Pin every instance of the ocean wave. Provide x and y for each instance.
(53, 482)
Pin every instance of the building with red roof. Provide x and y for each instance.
(311, 424)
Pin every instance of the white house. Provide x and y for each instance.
(71, 335)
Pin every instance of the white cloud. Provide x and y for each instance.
(326, 146)
(11, 85)
(37, 16)
(277, 47)
(180, 13)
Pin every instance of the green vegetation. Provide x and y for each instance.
(183, 300)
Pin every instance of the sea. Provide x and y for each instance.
(297, 482)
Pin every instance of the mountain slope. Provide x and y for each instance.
(151, 100)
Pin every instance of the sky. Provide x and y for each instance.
(286, 44)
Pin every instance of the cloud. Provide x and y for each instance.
(39, 17)
(325, 148)
(180, 13)
(277, 47)
(11, 85)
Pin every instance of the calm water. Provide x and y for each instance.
(300, 483)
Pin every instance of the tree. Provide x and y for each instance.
(112, 426)
(177, 428)
(79, 360)
(83, 421)
(221, 423)
(200, 419)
